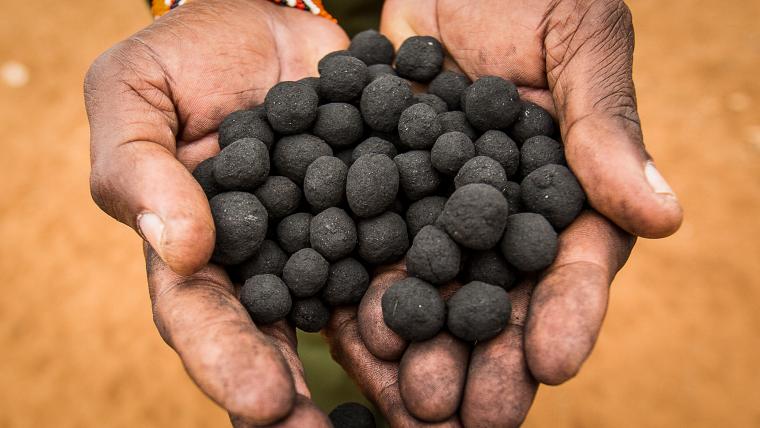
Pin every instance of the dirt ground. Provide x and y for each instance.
(680, 346)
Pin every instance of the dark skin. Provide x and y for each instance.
(155, 101)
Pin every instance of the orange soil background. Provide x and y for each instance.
(680, 346)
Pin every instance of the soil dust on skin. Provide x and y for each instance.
(680, 343)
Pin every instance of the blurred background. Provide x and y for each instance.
(680, 346)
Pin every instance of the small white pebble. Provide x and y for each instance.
(738, 101)
(14, 74)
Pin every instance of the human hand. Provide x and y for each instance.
(154, 102)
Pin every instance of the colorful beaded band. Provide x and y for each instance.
(160, 7)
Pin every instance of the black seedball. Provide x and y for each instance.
(475, 216)
(280, 196)
(499, 147)
(346, 283)
(450, 151)
(433, 101)
(530, 242)
(417, 176)
(269, 259)
(376, 70)
(539, 151)
(449, 85)
(512, 193)
(554, 192)
(492, 103)
(382, 239)
(243, 165)
(383, 100)
(293, 232)
(333, 234)
(371, 47)
(342, 78)
(372, 185)
(481, 169)
(478, 311)
(245, 124)
(309, 315)
(413, 309)
(339, 124)
(294, 153)
(204, 175)
(376, 146)
(241, 226)
(325, 59)
(352, 415)
(456, 121)
(424, 212)
(291, 107)
(533, 120)
(433, 256)
(312, 82)
(305, 272)
(346, 156)
(419, 58)
(266, 298)
(418, 127)
(325, 182)
(490, 267)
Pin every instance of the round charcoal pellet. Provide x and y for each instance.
(554, 192)
(333, 234)
(269, 259)
(382, 239)
(293, 232)
(241, 226)
(463, 98)
(294, 153)
(346, 156)
(371, 47)
(539, 151)
(419, 58)
(371, 185)
(433, 101)
(352, 415)
(312, 82)
(383, 100)
(242, 165)
(492, 103)
(266, 298)
(309, 315)
(305, 272)
(499, 147)
(418, 126)
(204, 175)
(339, 124)
(533, 120)
(449, 86)
(456, 121)
(374, 145)
(325, 182)
(478, 311)
(512, 193)
(417, 176)
(245, 124)
(346, 283)
(291, 107)
(481, 169)
(280, 196)
(413, 309)
(530, 242)
(342, 78)
(475, 216)
(433, 256)
(424, 212)
(376, 70)
(325, 59)
(490, 267)
(451, 151)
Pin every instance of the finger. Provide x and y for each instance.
(569, 303)
(589, 59)
(305, 414)
(377, 379)
(432, 375)
(223, 352)
(135, 176)
(500, 388)
(381, 341)
(283, 337)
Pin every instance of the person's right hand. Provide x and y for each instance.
(154, 102)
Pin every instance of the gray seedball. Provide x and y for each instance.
(374, 145)
(305, 272)
(342, 78)
(418, 126)
(204, 175)
(245, 124)
(309, 315)
(382, 239)
(456, 121)
(413, 309)
(352, 415)
(241, 226)
(339, 124)
(266, 298)
(346, 283)
(294, 153)
(492, 103)
(450, 151)
(539, 151)
(312, 82)
(291, 107)
(333, 234)
(371, 47)
(243, 165)
(449, 85)
(423, 212)
(325, 182)
(530, 242)
(478, 311)
(490, 267)
(372, 185)
(419, 58)
(270, 258)
(499, 147)
(376, 70)
(434, 101)
(346, 156)
(475, 216)
(280, 196)
(293, 232)
(417, 176)
(512, 193)
(433, 256)
(325, 59)
(554, 192)
(481, 169)
(383, 100)
(533, 120)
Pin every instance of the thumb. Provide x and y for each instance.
(135, 175)
(589, 57)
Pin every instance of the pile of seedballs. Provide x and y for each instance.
(336, 174)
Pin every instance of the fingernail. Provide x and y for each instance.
(151, 228)
(657, 181)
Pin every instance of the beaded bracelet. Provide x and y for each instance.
(160, 7)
